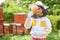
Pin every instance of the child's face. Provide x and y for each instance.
(38, 11)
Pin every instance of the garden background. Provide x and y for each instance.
(17, 6)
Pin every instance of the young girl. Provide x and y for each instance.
(40, 24)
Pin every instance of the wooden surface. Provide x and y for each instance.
(20, 18)
(1, 21)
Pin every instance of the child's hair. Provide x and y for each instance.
(44, 10)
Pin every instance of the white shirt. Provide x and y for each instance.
(30, 14)
(40, 26)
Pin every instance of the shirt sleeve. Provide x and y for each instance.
(48, 28)
(30, 14)
(48, 23)
(27, 24)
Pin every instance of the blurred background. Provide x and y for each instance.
(16, 6)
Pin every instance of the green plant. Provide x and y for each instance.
(54, 20)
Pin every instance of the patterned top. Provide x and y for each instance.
(41, 27)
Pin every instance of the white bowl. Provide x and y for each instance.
(18, 24)
(6, 24)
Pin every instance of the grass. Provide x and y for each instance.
(52, 36)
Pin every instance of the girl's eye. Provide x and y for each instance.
(39, 8)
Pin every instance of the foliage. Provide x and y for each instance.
(51, 36)
(54, 22)
(13, 6)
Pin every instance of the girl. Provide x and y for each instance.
(40, 24)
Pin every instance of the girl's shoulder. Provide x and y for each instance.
(45, 18)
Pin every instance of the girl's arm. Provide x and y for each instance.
(48, 28)
(27, 24)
